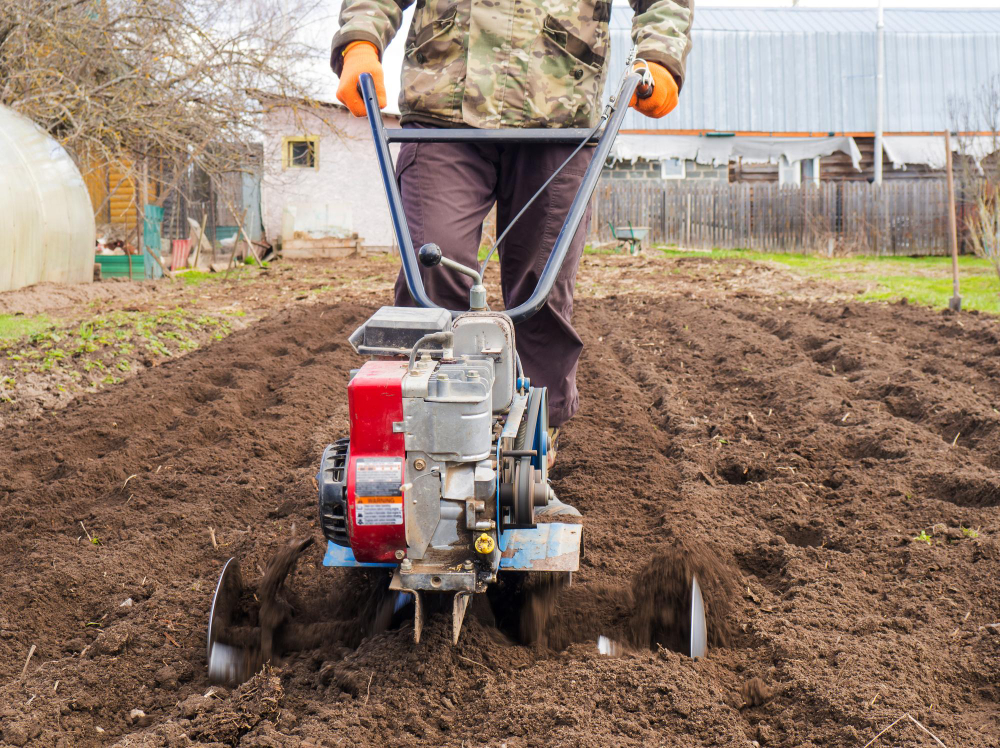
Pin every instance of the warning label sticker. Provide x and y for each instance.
(378, 491)
(378, 476)
(379, 510)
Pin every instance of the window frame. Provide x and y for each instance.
(789, 172)
(674, 176)
(289, 141)
(813, 177)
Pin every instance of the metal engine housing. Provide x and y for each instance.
(446, 459)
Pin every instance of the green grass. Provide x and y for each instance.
(103, 346)
(195, 277)
(977, 292)
(921, 280)
(13, 327)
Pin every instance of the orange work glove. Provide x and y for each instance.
(664, 97)
(360, 57)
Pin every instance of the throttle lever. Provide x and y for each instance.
(430, 255)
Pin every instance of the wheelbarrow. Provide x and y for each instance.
(630, 238)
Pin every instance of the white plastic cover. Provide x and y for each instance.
(719, 151)
(48, 227)
(929, 149)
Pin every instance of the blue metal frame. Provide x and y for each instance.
(411, 269)
(339, 555)
(552, 546)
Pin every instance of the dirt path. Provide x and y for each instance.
(807, 441)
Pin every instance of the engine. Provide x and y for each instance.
(446, 460)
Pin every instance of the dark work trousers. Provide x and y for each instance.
(449, 188)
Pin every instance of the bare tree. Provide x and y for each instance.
(984, 227)
(169, 81)
(977, 119)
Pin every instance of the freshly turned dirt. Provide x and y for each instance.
(652, 612)
(793, 445)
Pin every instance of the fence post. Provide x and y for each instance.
(663, 212)
(687, 223)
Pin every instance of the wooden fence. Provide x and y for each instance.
(899, 218)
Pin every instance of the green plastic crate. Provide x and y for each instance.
(116, 266)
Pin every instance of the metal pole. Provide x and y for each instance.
(879, 90)
(143, 199)
(955, 304)
(411, 269)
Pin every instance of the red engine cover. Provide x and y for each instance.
(375, 473)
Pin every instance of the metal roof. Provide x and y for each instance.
(798, 70)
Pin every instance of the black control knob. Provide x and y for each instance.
(429, 255)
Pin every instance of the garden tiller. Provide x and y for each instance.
(446, 462)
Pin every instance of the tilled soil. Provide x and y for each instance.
(806, 443)
(95, 335)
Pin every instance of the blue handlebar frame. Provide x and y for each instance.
(411, 267)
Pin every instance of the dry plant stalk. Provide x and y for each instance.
(984, 227)
(899, 719)
(979, 167)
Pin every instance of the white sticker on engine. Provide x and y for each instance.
(378, 476)
(378, 510)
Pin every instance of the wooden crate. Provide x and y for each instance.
(328, 248)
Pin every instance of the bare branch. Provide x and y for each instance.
(118, 82)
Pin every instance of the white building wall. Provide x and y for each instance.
(343, 195)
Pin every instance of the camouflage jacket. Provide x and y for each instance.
(511, 63)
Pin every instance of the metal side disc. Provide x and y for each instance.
(226, 664)
(699, 626)
(609, 647)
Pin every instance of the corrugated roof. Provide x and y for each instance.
(813, 69)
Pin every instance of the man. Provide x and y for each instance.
(502, 64)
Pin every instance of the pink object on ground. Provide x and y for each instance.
(181, 248)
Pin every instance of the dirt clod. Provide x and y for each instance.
(756, 692)
(257, 700)
(166, 677)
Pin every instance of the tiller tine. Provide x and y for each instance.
(229, 661)
(459, 605)
(699, 626)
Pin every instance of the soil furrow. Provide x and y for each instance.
(807, 444)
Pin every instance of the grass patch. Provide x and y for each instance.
(978, 292)
(13, 326)
(236, 273)
(195, 277)
(921, 280)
